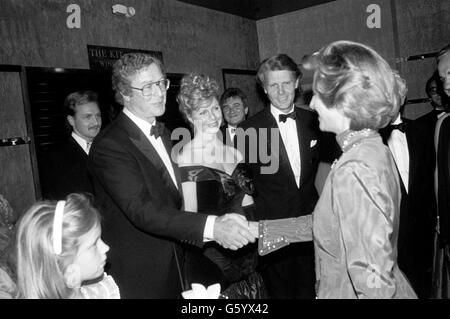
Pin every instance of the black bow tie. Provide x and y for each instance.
(401, 127)
(283, 117)
(157, 129)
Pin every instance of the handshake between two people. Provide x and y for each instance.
(233, 231)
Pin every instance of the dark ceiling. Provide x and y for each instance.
(256, 9)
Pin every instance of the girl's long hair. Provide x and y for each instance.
(40, 272)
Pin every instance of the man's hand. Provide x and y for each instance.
(254, 229)
(231, 231)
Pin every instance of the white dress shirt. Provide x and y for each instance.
(399, 148)
(145, 127)
(82, 142)
(289, 135)
(232, 131)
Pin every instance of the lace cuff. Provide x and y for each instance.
(278, 233)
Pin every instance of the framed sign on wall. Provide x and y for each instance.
(102, 58)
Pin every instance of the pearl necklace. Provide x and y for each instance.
(347, 140)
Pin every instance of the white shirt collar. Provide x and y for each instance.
(398, 120)
(441, 114)
(81, 141)
(276, 112)
(143, 125)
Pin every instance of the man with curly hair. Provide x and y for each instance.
(138, 186)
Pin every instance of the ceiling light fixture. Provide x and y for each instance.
(120, 9)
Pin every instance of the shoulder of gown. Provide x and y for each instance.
(243, 178)
(194, 173)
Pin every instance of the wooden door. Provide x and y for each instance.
(17, 184)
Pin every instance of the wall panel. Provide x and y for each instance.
(423, 27)
(305, 31)
(34, 33)
(16, 177)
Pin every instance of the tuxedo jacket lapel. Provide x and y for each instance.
(384, 133)
(404, 203)
(412, 140)
(281, 155)
(305, 137)
(168, 145)
(227, 140)
(146, 148)
(302, 145)
(230, 141)
(78, 147)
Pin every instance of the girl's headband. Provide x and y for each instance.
(57, 227)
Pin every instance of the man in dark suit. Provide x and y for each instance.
(441, 286)
(65, 165)
(234, 110)
(283, 155)
(412, 145)
(137, 184)
(443, 146)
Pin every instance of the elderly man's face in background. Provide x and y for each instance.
(444, 72)
(434, 94)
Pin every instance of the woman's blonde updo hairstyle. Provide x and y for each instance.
(195, 88)
(354, 78)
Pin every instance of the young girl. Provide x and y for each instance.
(59, 248)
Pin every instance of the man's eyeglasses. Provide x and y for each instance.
(149, 88)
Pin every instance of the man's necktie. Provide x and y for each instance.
(233, 130)
(157, 129)
(283, 117)
(88, 146)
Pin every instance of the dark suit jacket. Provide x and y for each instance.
(65, 171)
(277, 194)
(443, 171)
(140, 206)
(418, 206)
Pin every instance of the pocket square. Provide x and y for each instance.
(313, 143)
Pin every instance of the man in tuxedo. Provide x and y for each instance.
(137, 184)
(442, 182)
(234, 110)
(284, 184)
(443, 60)
(65, 165)
(412, 146)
